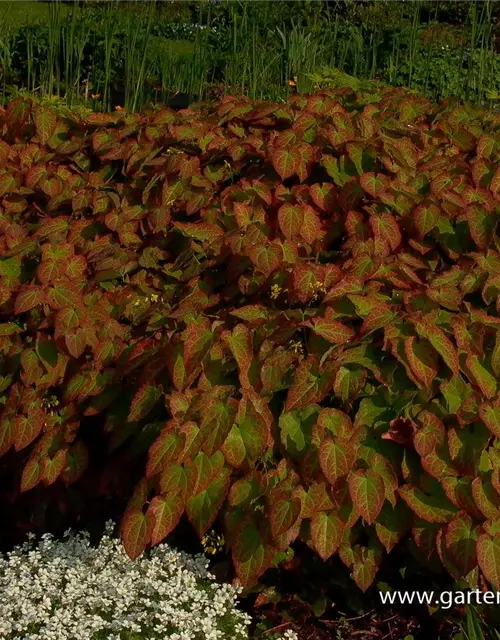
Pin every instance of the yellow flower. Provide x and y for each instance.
(212, 543)
(275, 291)
(154, 297)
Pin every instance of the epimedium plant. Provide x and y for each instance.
(293, 307)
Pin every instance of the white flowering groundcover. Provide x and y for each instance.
(70, 590)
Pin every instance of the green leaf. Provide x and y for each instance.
(252, 554)
(461, 539)
(202, 508)
(428, 507)
(348, 382)
(482, 376)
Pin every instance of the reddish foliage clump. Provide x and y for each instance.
(257, 293)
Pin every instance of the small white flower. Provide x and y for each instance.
(70, 590)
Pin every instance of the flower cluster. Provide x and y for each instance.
(71, 590)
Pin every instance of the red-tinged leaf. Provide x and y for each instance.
(385, 228)
(431, 435)
(332, 330)
(489, 412)
(51, 229)
(27, 429)
(67, 319)
(76, 463)
(252, 554)
(7, 184)
(18, 112)
(366, 563)
(286, 162)
(486, 498)
(217, 419)
(76, 341)
(53, 466)
(6, 432)
(162, 451)
(4, 153)
(266, 259)
(443, 345)
(336, 458)
(495, 356)
(166, 511)
(240, 343)
(143, 401)
(62, 295)
(32, 474)
(422, 359)
(426, 217)
(481, 224)
(252, 313)
(488, 558)
(284, 513)
(136, 529)
(202, 508)
(29, 298)
(45, 123)
(326, 533)
(174, 480)
(486, 145)
(461, 539)
(198, 339)
(374, 184)
(428, 507)
(323, 196)
(482, 376)
(367, 493)
(311, 226)
(308, 385)
(378, 318)
(243, 214)
(447, 297)
(291, 219)
(202, 231)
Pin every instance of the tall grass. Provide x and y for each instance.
(79, 52)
